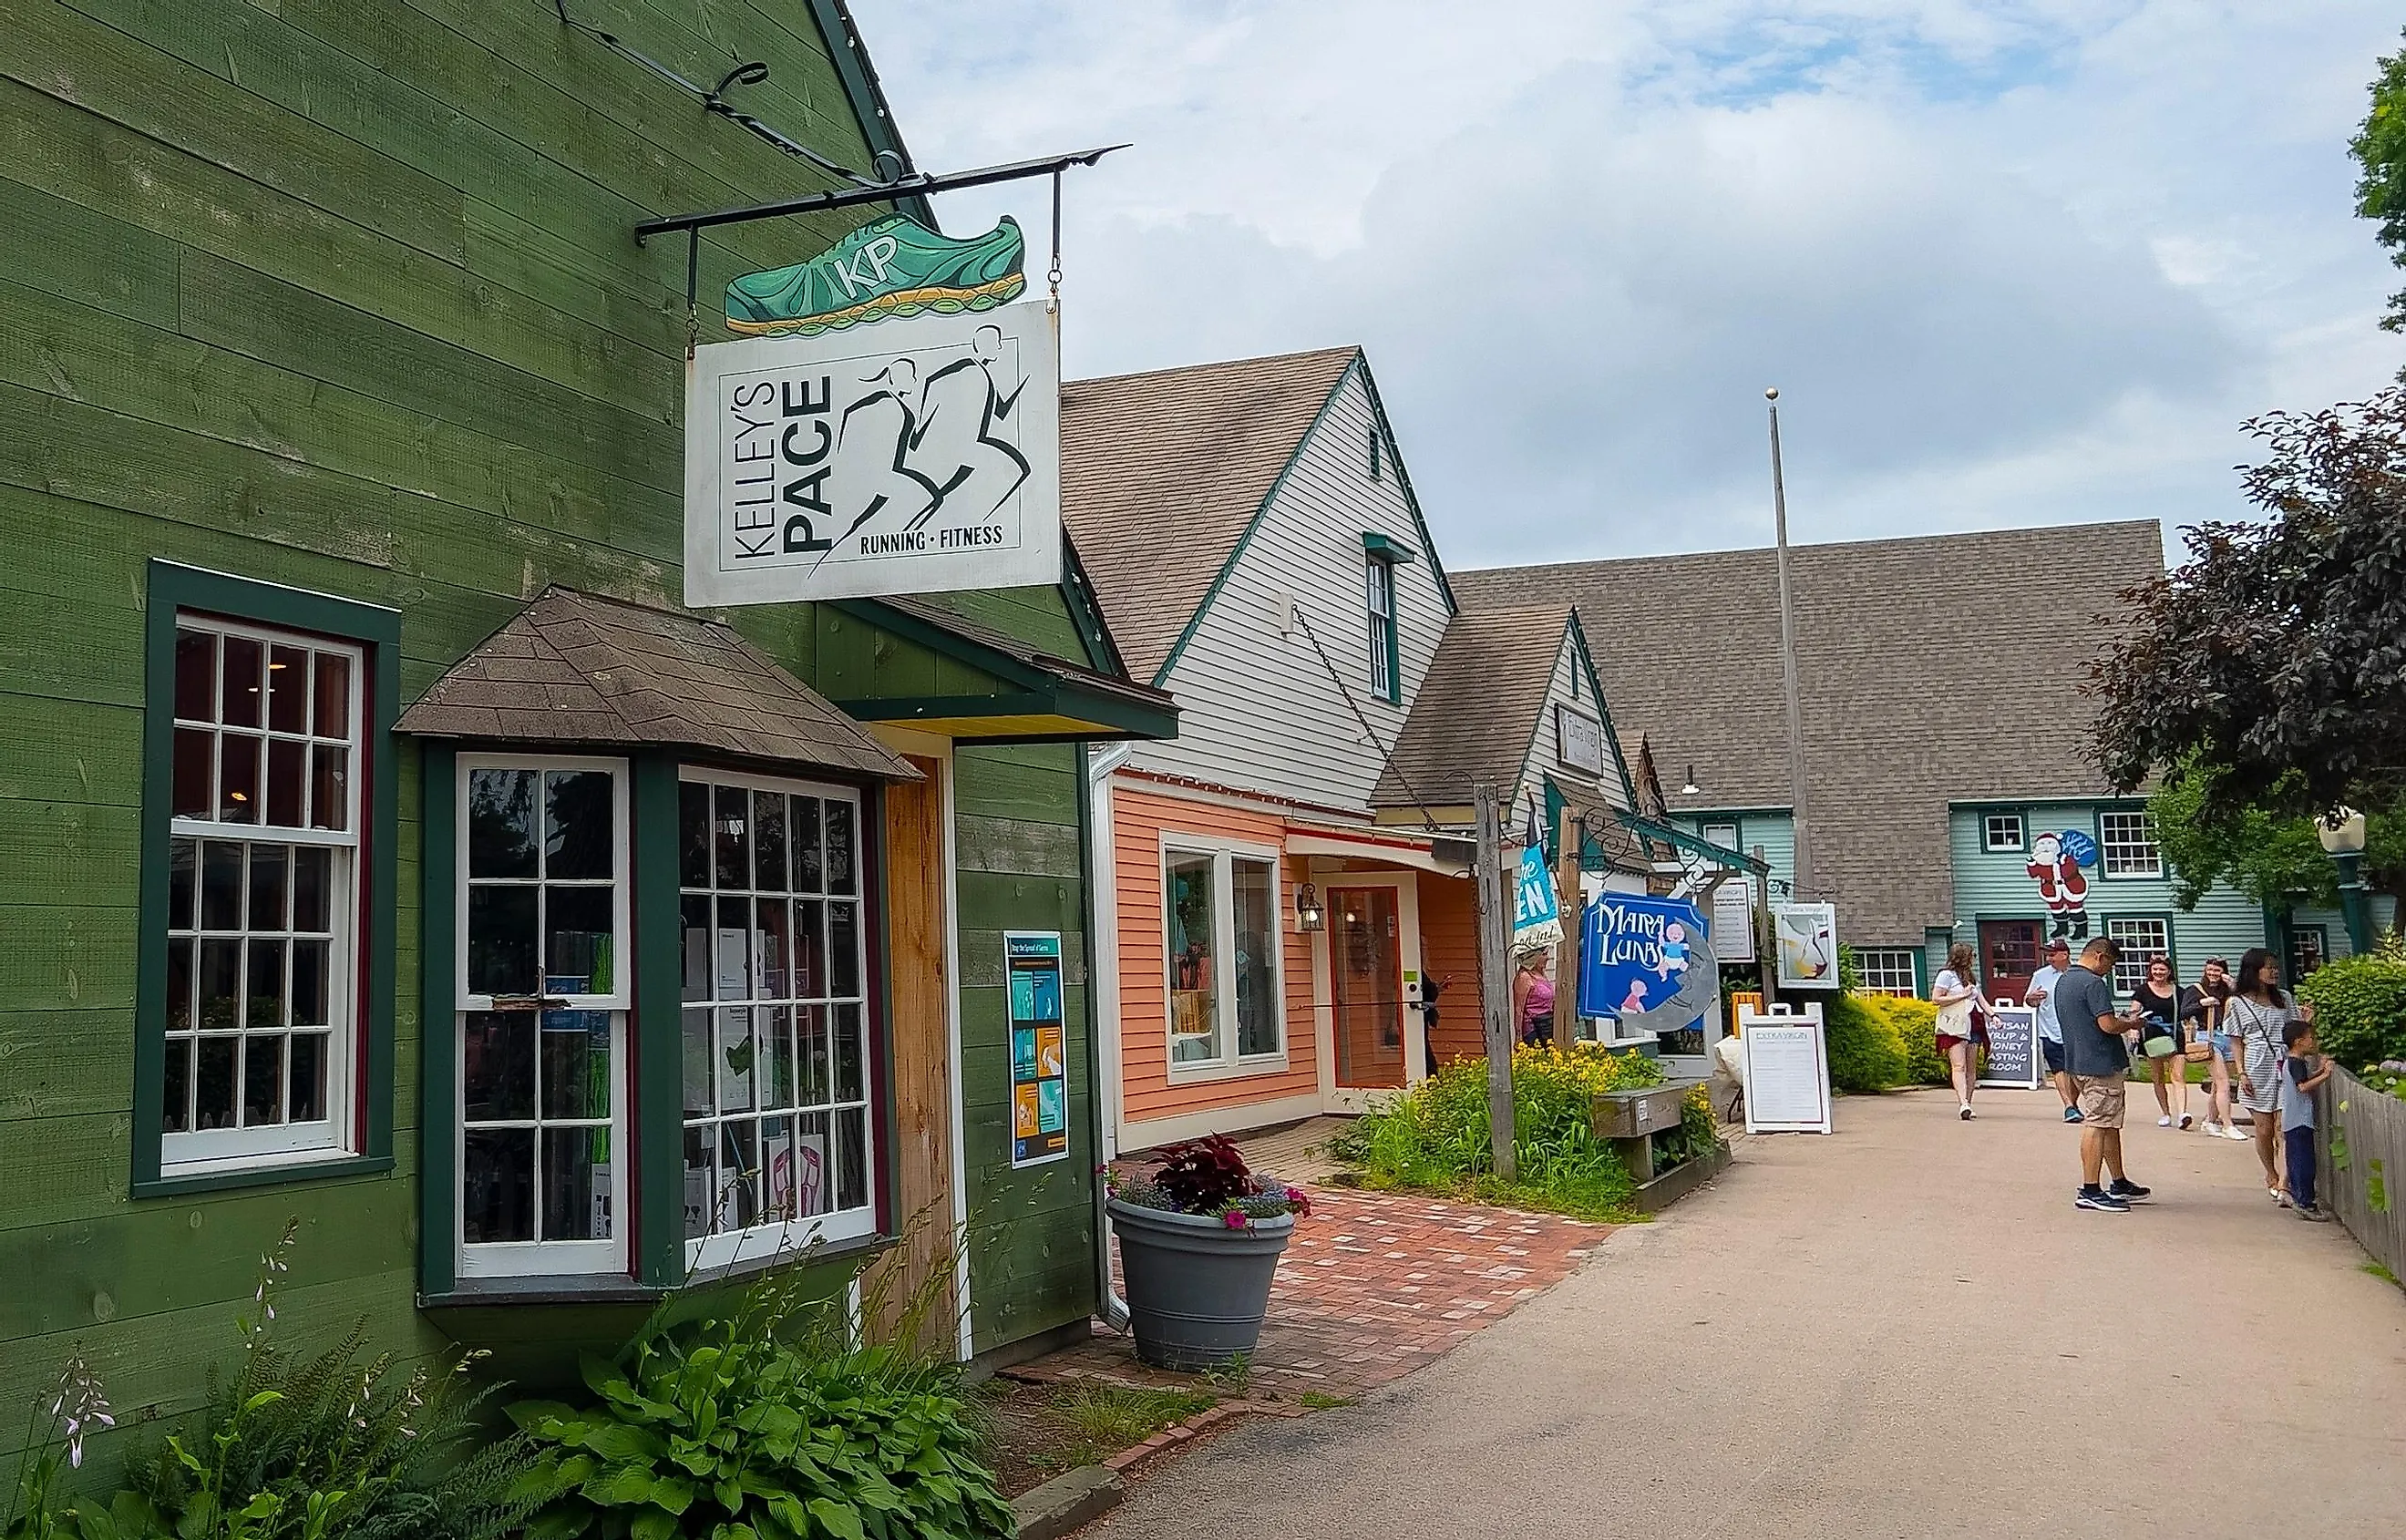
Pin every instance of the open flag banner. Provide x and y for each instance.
(1536, 919)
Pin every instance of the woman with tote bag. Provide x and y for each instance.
(1956, 991)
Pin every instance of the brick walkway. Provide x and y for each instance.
(1373, 1286)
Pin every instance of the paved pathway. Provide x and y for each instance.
(1373, 1286)
(1902, 1330)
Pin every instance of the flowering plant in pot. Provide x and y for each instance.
(1199, 1243)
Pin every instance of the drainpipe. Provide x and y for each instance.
(1103, 1003)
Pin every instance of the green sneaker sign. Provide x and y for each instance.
(893, 266)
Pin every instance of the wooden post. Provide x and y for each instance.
(1767, 939)
(1495, 977)
(1573, 910)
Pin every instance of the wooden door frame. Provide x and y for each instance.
(1335, 1098)
(1981, 947)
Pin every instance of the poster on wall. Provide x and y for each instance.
(1646, 962)
(2012, 1057)
(1806, 936)
(1040, 1061)
(1734, 920)
(910, 455)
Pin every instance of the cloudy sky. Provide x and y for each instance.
(2010, 261)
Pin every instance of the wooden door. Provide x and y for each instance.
(1367, 987)
(914, 1284)
(2008, 957)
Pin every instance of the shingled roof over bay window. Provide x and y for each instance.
(574, 670)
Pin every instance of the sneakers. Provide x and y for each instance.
(2164, 1122)
(2232, 1131)
(893, 266)
(1965, 1114)
(2186, 1121)
(2128, 1191)
(2101, 1200)
(2280, 1197)
(2212, 1129)
(2316, 1215)
(2072, 1114)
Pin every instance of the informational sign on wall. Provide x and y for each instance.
(913, 456)
(2012, 1048)
(1786, 1070)
(1578, 739)
(1734, 920)
(1806, 936)
(1040, 1060)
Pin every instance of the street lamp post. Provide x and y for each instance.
(1796, 796)
(2342, 832)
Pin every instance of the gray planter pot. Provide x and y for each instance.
(1196, 1290)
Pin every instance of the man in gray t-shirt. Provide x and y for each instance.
(2097, 1057)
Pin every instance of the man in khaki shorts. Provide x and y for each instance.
(2099, 1058)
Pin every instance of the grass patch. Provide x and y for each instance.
(1320, 1401)
(2383, 1273)
(1111, 1418)
(1435, 1137)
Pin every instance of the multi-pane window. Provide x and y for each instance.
(1379, 574)
(2309, 949)
(1885, 970)
(2002, 831)
(1723, 835)
(542, 995)
(777, 1077)
(1220, 911)
(262, 992)
(2140, 940)
(2128, 841)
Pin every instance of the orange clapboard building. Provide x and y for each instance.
(1285, 920)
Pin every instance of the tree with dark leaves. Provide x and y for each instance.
(2266, 675)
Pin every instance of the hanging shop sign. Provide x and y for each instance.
(1646, 962)
(1807, 942)
(1578, 739)
(1040, 1060)
(916, 455)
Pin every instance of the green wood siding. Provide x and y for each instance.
(342, 294)
(1998, 886)
(1774, 831)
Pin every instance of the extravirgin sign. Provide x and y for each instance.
(918, 455)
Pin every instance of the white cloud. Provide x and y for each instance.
(2010, 262)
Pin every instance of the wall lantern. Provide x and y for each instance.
(1308, 914)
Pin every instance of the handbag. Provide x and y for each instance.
(2199, 1050)
(1955, 1019)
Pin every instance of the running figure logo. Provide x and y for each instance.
(937, 445)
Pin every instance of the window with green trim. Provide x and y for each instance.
(263, 899)
(1377, 455)
(1378, 583)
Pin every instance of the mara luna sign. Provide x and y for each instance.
(911, 456)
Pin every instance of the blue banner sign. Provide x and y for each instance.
(1645, 961)
(1536, 920)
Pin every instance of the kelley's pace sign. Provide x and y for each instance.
(915, 456)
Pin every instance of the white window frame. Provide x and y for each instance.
(2017, 843)
(1720, 832)
(784, 1238)
(2131, 970)
(2139, 835)
(1226, 1062)
(209, 1151)
(539, 1258)
(1888, 970)
(1382, 624)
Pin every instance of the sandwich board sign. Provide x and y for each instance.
(912, 454)
(2012, 1048)
(1785, 1060)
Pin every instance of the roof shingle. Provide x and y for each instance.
(1932, 668)
(572, 669)
(1478, 708)
(1162, 472)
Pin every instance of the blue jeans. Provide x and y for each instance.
(2300, 1144)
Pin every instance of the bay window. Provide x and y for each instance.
(542, 1003)
(777, 1148)
(1221, 909)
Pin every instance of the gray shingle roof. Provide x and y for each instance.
(573, 670)
(1933, 669)
(1161, 474)
(1478, 707)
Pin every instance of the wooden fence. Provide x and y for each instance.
(2364, 1167)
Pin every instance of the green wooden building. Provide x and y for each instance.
(381, 843)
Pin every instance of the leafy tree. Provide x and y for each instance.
(2273, 858)
(2380, 147)
(2265, 677)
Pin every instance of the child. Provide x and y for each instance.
(2302, 1073)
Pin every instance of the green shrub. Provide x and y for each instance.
(1916, 1024)
(1435, 1136)
(762, 1424)
(2360, 1006)
(1865, 1052)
